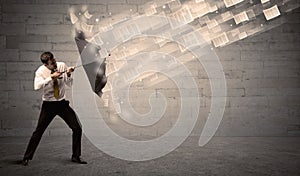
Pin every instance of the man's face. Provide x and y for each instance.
(51, 65)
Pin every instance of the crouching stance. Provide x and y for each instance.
(52, 76)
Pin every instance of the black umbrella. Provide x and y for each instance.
(92, 63)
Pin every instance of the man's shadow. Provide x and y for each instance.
(10, 162)
(65, 161)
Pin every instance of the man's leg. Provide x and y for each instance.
(70, 117)
(46, 116)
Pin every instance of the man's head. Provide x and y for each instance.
(48, 60)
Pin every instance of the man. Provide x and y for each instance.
(52, 76)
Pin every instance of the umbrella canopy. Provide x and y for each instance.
(92, 63)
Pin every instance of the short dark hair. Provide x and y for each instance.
(46, 56)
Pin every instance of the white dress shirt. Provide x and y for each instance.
(43, 80)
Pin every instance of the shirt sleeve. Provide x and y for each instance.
(40, 81)
(68, 80)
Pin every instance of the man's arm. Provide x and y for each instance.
(69, 79)
(39, 81)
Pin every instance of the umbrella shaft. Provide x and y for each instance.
(74, 67)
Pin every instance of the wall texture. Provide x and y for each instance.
(262, 72)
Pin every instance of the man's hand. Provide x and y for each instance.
(55, 75)
(70, 70)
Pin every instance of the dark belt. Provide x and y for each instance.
(50, 102)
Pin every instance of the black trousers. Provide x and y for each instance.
(48, 112)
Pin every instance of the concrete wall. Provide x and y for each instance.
(262, 72)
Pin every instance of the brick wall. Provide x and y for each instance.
(262, 71)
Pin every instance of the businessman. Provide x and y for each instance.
(52, 76)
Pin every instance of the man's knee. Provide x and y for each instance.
(77, 129)
(39, 131)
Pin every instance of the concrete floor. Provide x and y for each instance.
(221, 156)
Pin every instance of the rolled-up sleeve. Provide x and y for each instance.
(68, 80)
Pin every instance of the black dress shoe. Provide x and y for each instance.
(25, 162)
(78, 160)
